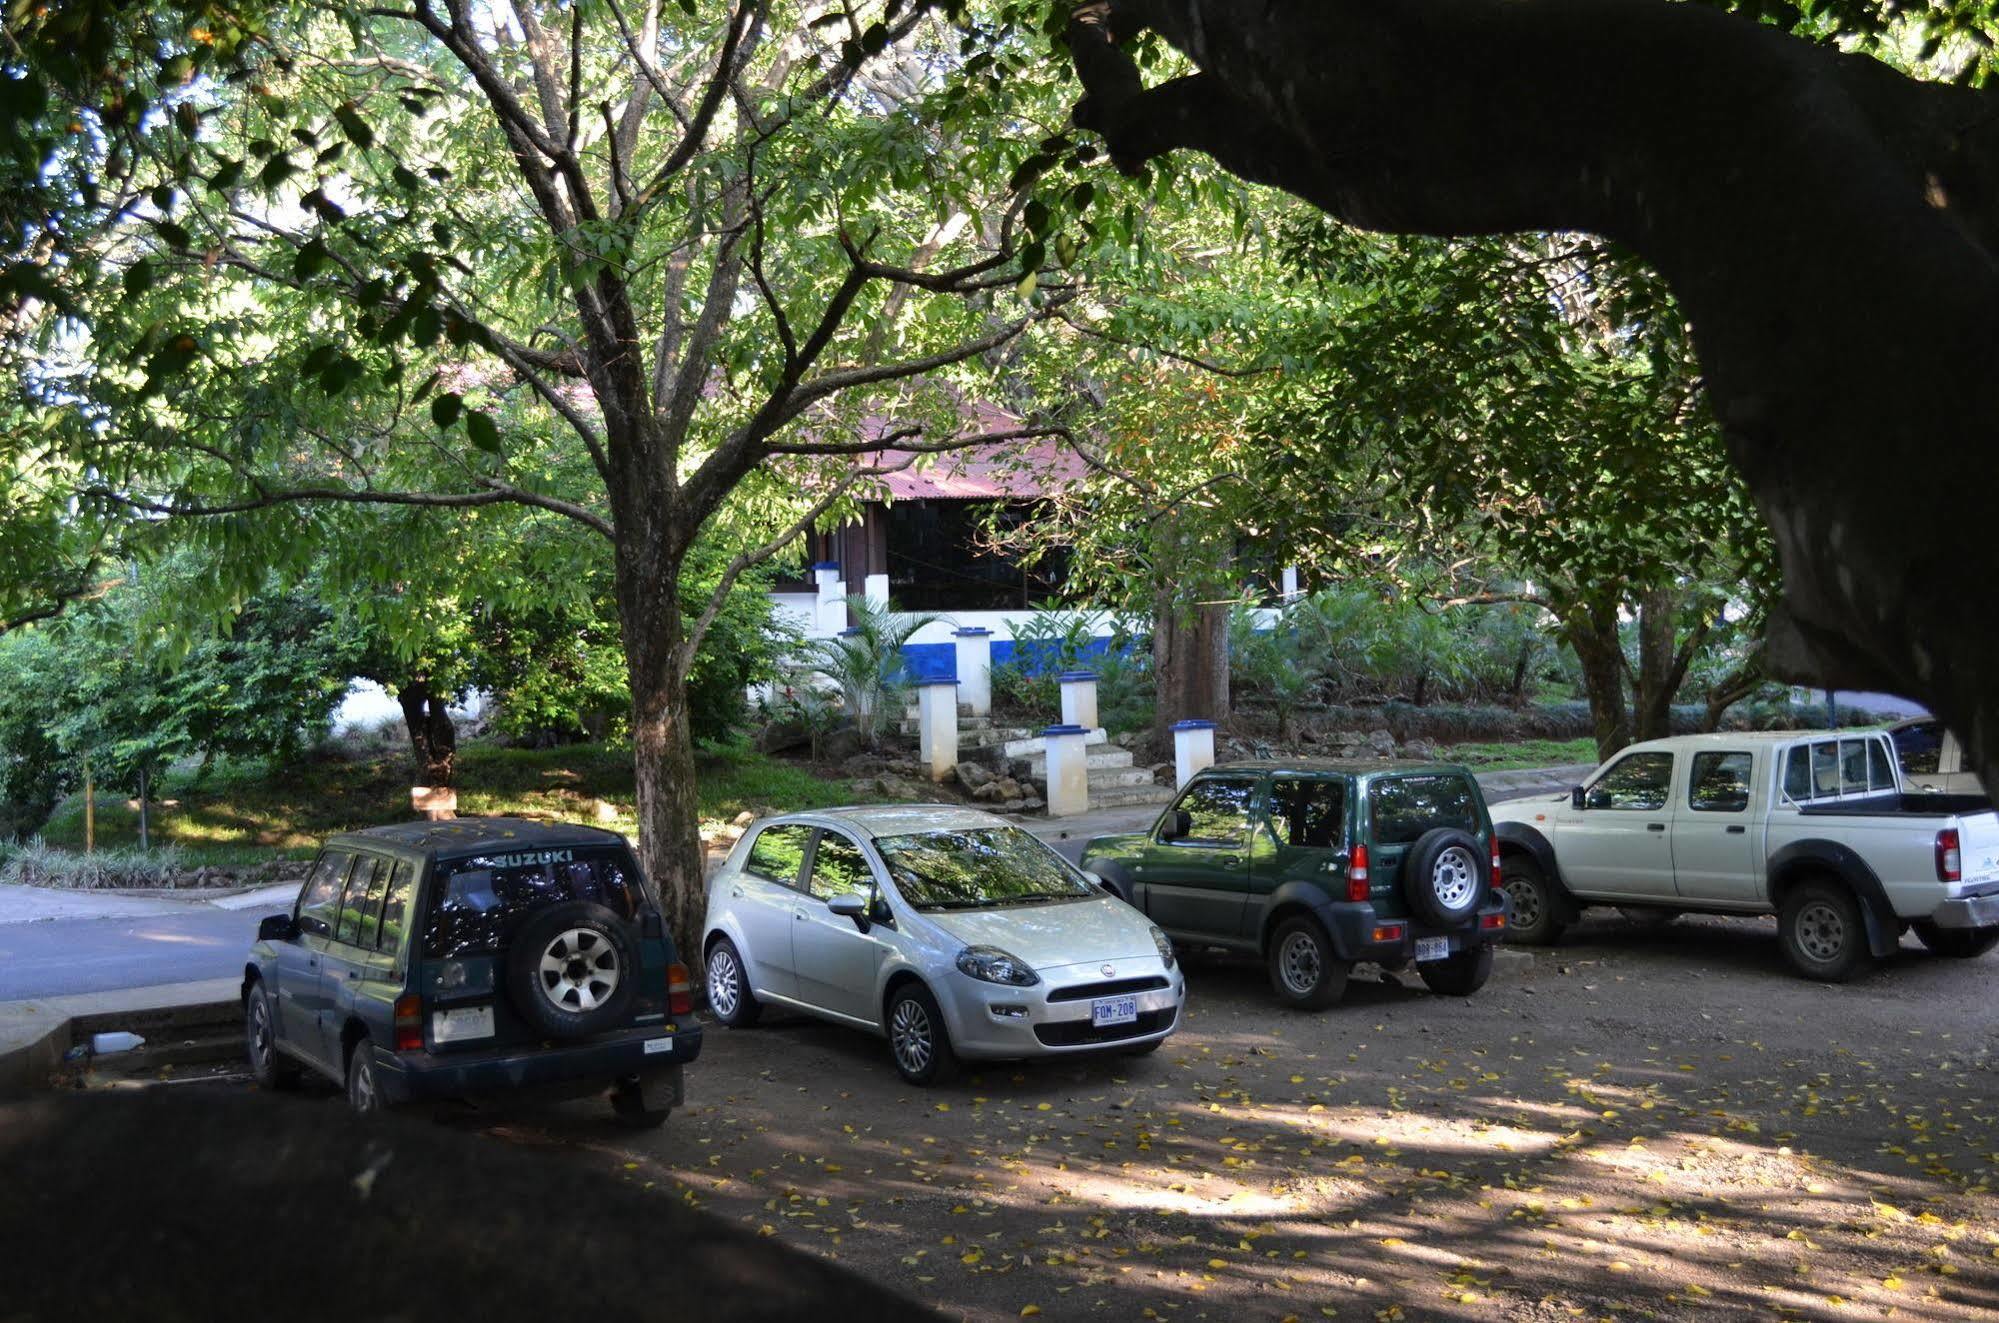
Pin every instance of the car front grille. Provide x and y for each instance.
(1078, 1033)
(1113, 988)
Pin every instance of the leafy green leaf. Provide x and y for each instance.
(444, 410)
(485, 434)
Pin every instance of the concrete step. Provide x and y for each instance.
(1095, 758)
(966, 726)
(1129, 796)
(1026, 746)
(1108, 778)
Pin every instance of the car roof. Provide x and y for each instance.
(458, 836)
(874, 820)
(1342, 766)
(1737, 738)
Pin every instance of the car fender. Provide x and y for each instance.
(722, 923)
(1541, 850)
(1112, 871)
(1810, 858)
(1313, 897)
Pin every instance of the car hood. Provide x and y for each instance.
(1061, 933)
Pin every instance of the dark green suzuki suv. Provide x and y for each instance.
(1318, 865)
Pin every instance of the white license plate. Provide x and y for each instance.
(1113, 1010)
(455, 1026)
(655, 1046)
(1433, 948)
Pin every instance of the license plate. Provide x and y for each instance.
(655, 1046)
(1113, 1010)
(455, 1026)
(1433, 948)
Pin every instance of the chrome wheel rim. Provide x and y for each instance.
(580, 970)
(1454, 878)
(260, 1034)
(909, 1035)
(1298, 964)
(725, 984)
(361, 1087)
(1526, 898)
(1821, 932)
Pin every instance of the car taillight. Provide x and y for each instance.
(679, 992)
(1495, 859)
(409, 1023)
(1492, 920)
(1950, 859)
(1357, 887)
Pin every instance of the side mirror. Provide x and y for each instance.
(1178, 824)
(276, 928)
(851, 905)
(1576, 797)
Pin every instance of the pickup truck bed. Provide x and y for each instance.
(1914, 804)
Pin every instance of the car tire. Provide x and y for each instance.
(364, 1085)
(1458, 976)
(1533, 919)
(1823, 933)
(573, 970)
(270, 1068)
(1958, 943)
(628, 1107)
(1647, 916)
(1445, 876)
(1305, 972)
(729, 994)
(918, 1039)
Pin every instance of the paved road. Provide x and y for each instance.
(63, 956)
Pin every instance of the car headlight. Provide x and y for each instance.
(1165, 945)
(993, 965)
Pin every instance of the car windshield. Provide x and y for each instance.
(977, 867)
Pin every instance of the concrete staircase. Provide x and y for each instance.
(1022, 753)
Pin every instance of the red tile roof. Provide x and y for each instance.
(1007, 470)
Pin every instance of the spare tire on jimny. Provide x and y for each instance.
(1445, 876)
(573, 969)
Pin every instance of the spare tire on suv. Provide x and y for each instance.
(1444, 876)
(573, 969)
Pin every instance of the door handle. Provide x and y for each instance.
(353, 973)
(737, 892)
(312, 963)
(1735, 830)
(1655, 826)
(1229, 859)
(798, 915)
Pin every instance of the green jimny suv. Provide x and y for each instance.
(470, 958)
(1317, 865)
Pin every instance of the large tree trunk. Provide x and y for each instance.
(433, 737)
(1658, 677)
(1591, 629)
(663, 742)
(1830, 227)
(1190, 663)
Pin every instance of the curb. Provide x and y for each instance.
(35, 1034)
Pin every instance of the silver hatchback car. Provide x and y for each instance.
(951, 932)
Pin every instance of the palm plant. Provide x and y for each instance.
(865, 662)
(1281, 664)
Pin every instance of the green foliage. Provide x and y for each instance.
(34, 773)
(36, 863)
(865, 663)
(1280, 665)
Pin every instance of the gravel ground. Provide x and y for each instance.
(1639, 1124)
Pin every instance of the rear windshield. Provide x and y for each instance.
(1404, 807)
(477, 904)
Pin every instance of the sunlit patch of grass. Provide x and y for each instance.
(1516, 754)
(239, 813)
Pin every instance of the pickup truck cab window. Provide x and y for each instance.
(1719, 783)
(1827, 769)
(1637, 782)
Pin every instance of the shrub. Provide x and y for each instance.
(37, 864)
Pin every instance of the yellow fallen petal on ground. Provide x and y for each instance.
(1029, 1311)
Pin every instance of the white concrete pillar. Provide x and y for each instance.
(975, 669)
(1193, 749)
(1079, 699)
(832, 609)
(875, 589)
(1068, 771)
(1290, 590)
(937, 726)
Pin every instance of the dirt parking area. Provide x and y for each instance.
(1637, 1125)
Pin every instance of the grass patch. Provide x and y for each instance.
(1519, 754)
(245, 813)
